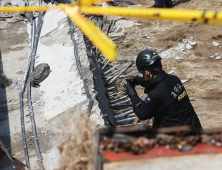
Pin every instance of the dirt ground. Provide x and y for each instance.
(203, 73)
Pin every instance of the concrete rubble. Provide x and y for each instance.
(179, 52)
(12, 2)
(216, 44)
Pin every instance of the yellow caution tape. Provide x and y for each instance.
(27, 9)
(199, 16)
(104, 44)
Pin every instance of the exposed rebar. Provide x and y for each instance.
(123, 101)
(119, 99)
(116, 94)
(114, 67)
(114, 78)
(110, 88)
(105, 64)
(124, 114)
(122, 110)
(123, 120)
(128, 124)
(111, 75)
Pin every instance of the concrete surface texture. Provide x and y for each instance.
(60, 97)
(63, 88)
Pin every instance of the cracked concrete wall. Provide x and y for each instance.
(63, 88)
(62, 93)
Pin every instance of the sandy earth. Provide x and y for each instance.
(201, 70)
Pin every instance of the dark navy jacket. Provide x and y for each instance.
(167, 102)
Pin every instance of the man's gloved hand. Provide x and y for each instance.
(136, 80)
(129, 90)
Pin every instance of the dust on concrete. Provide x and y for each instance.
(17, 35)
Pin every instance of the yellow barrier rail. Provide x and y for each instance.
(102, 41)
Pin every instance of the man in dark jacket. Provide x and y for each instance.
(162, 4)
(167, 99)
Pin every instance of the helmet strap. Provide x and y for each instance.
(151, 78)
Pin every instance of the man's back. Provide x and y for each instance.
(174, 107)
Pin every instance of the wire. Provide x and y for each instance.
(34, 49)
(80, 67)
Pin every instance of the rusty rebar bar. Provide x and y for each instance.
(119, 99)
(111, 88)
(114, 78)
(123, 101)
(116, 94)
(122, 110)
(124, 114)
(115, 66)
(105, 64)
(111, 75)
(123, 120)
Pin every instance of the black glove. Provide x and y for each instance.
(129, 90)
(136, 80)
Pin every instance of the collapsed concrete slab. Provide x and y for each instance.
(63, 88)
(62, 94)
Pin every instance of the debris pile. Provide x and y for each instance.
(144, 144)
(77, 144)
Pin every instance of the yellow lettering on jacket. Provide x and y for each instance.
(180, 97)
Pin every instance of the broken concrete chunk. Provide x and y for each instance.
(188, 47)
(17, 2)
(7, 15)
(192, 43)
(39, 74)
(215, 44)
(145, 36)
(178, 58)
(5, 3)
(114, 35)
(218, 58)
(137, 24)
(182, 47)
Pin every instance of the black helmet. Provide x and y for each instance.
(146, 58)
